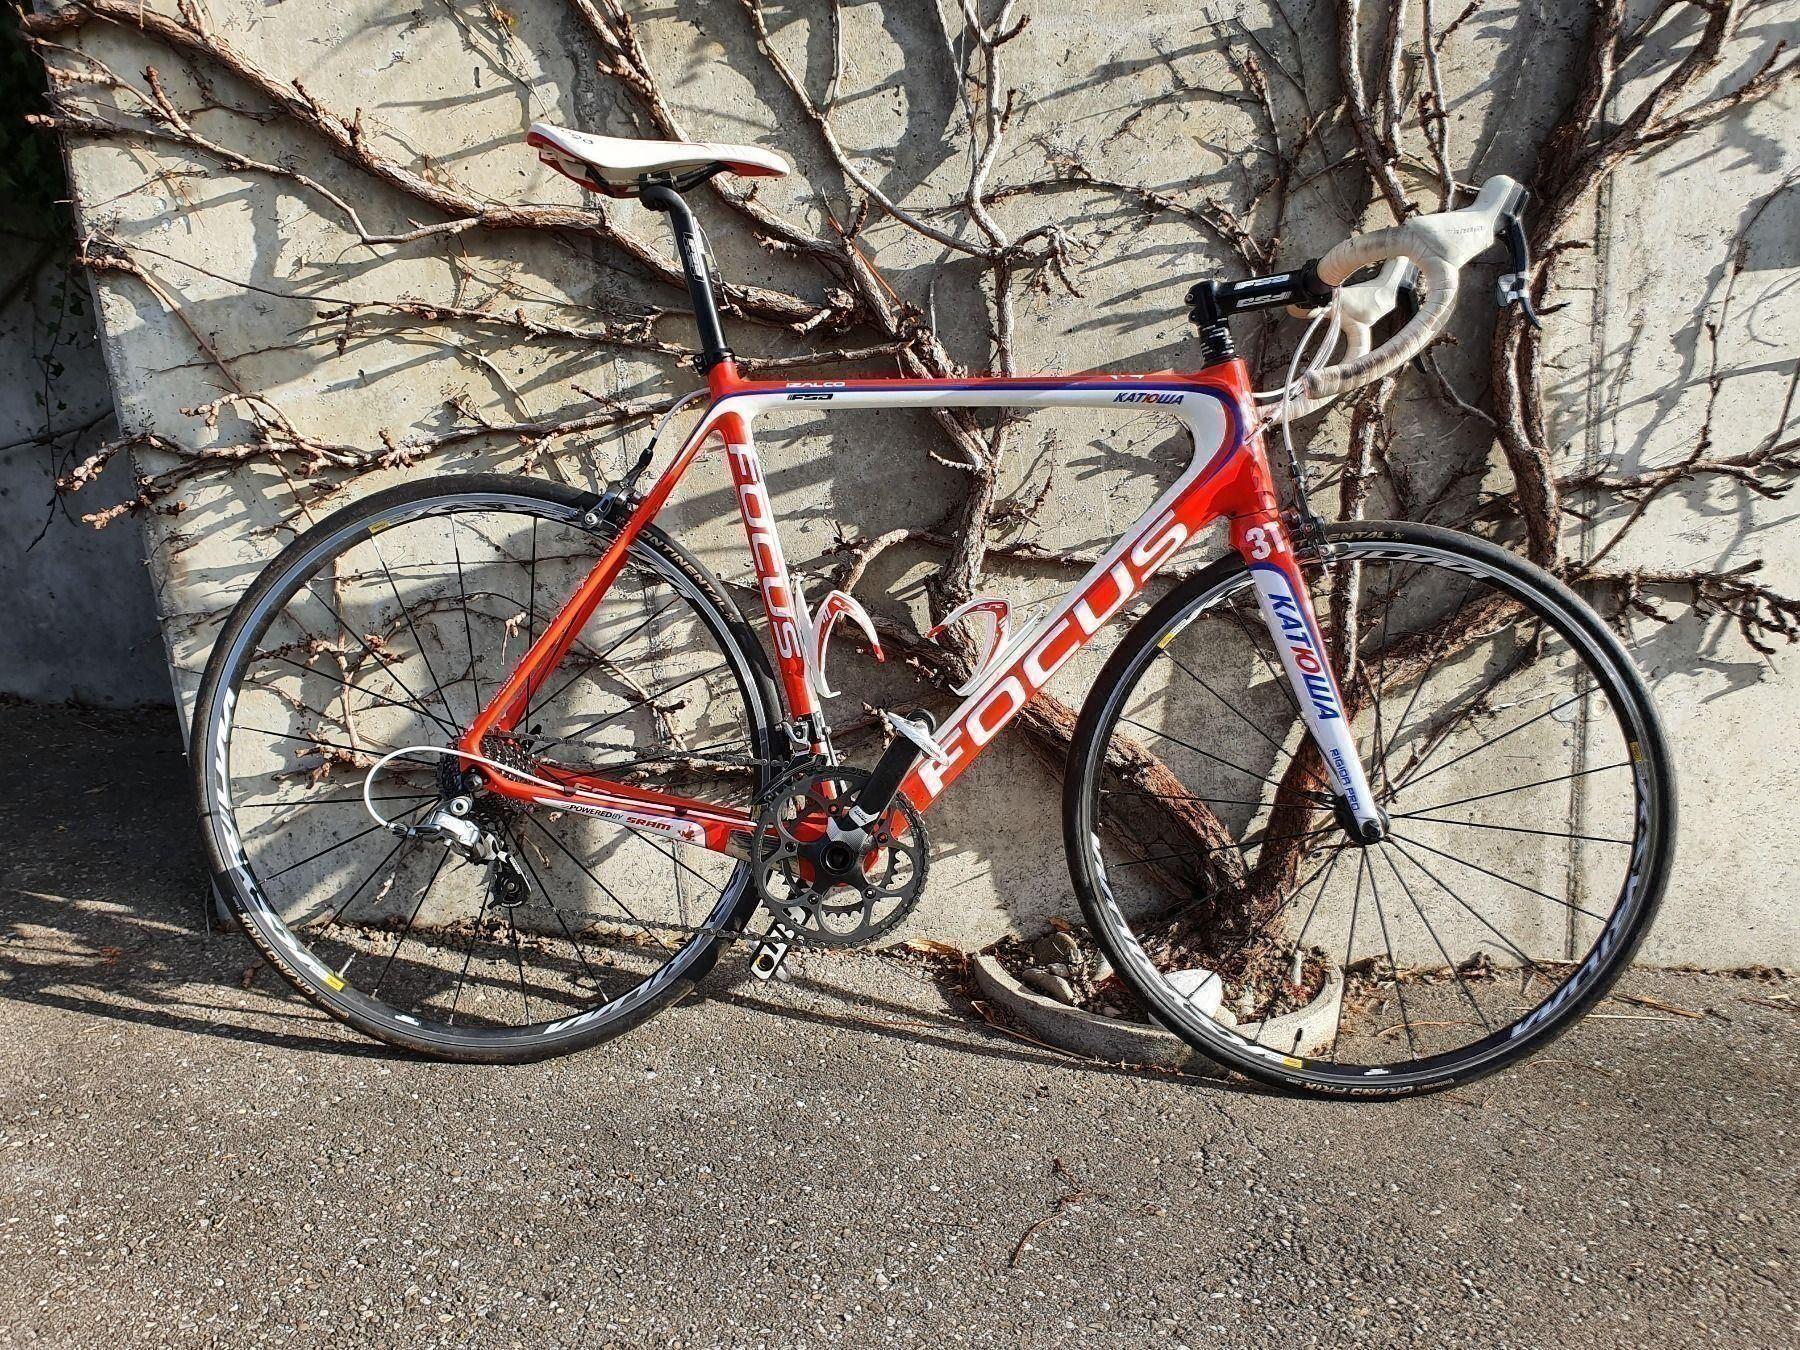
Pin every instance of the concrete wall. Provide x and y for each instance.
(1134, 97)
(76, 621)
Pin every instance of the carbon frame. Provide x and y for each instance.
(1227, 476)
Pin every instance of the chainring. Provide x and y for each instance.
(835, 883)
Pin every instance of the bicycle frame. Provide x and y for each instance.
(1227, 476)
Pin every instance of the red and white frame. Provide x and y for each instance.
(1227, 476)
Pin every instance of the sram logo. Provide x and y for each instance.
(689, 832)
(1062, 639)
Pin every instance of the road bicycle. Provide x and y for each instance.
(493, 768)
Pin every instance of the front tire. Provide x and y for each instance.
(1512, 889)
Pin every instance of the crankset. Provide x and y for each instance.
(836, 882)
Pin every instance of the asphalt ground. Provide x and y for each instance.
(189, 1155)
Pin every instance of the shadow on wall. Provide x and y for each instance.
(77, 623)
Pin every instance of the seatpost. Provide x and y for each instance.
(691, 245)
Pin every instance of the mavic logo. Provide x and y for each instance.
(1304, 654)
(1140, 396)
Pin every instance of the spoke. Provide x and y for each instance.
(614, 716)
(1393, 962)
(462, 592)
(462, 978)
(1280, 678)
(1514, 829)
(419, 642)
(602, 655)
(1180, 797)
(519, 960)
(531, 618)
(671, 855)
(1497, 876)
(299, 706)
(1331, 863)
(569, 853)
(332, 848)
(1501, 792)
(1232, 708)
(418, 702)
(1324, 870)
(313, 741)
(699, 752)
(1207, 754)
(410, 920)
(350, 899)
(1415, 777)
(1245, 846)
(1362, 866)
(1443, 649)
(1457, 974)
(330, 801)
(1381, 739)
(543, 890)
(1511, 946)
(352, 684)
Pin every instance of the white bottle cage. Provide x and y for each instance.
(999, 615)
(818, 628)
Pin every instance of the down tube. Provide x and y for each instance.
(1233, 482)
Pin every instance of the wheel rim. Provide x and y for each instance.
(1448, 955)
(390, 631)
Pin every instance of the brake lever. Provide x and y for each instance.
(1514, 287)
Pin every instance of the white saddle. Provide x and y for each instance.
(618, 166)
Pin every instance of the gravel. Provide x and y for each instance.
(853, 1159)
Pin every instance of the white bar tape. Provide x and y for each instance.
(1439, 245)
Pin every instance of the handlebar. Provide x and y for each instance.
(1440, 246)
(1427, 250)
(1360, 308)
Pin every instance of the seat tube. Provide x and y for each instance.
(780, 602)
(1286, 604)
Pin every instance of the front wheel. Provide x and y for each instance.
(1507, 738)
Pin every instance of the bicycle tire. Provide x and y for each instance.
(1640, 896)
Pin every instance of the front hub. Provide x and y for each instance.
(1362, 835)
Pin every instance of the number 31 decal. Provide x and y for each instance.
(1265, 540)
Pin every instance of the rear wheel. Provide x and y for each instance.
(386, 628)
(1507, 737)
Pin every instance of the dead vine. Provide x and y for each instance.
(1373, 135)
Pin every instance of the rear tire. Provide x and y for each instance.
(467, 508)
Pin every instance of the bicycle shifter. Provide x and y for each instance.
(1514, 287)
